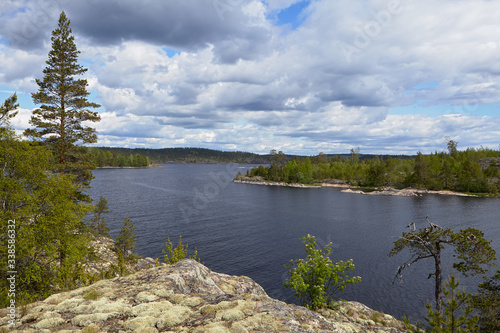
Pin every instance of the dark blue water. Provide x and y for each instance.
(254, 230)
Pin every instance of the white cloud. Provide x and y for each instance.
(240, 83)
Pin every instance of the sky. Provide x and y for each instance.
(303, 77)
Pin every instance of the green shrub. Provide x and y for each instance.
(173, 255)
(316, 279)
(487, 301)
(458, 314)
(91, 294)
(126, 239)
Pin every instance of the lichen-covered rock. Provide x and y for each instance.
(105, 258)
(188, 297)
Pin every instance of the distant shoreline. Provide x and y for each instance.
(346, 188)
(129, 167)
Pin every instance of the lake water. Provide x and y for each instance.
(252, 230)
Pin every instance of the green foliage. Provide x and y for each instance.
(64, 111)
(472, 251)
(126, 239)
(457, 316)
(98, 225)
(410, 327)
(91, 294)
(186, 155)
(121, 266)
(277, 169)
(108, 158)
(50, 239)
(173, 255)
(376, 173)
(316, 279)
(487, 301)
(7, 110)
(463, 171)
(457, 312)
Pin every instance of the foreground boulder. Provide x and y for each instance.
(186, 297)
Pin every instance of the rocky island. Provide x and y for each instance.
(348, 188)
(186, 297)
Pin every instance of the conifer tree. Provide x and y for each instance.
(50, 246)
(487, 301)
(126, 239)
(457, 316)
(98, 224)
(8, 110)
(470, 246)
(59, 121)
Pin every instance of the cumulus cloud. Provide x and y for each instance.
(237, 80)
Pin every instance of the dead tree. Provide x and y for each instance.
(470, 247)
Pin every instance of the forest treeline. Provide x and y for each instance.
(102, 157)
(190, 155)
(471, 170)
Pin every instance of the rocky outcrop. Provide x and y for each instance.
(261, 181)
(105, 259)
(407, 192)
(489, 161)
(186, 297)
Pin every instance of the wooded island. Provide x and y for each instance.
(470, 171)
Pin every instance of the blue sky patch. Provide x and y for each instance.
(491, 110)
(170, 52)
(24, 100)
(292, 15)
(426, 85)
(422, 86)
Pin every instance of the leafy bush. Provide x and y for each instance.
(316, 279)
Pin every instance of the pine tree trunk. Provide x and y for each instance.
(439, 282)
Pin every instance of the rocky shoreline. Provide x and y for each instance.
(187, 297)
(407, 192)
(260, 181)
(347, 188)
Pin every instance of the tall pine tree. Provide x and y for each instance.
(64, 109)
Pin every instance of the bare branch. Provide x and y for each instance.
(410, 262)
